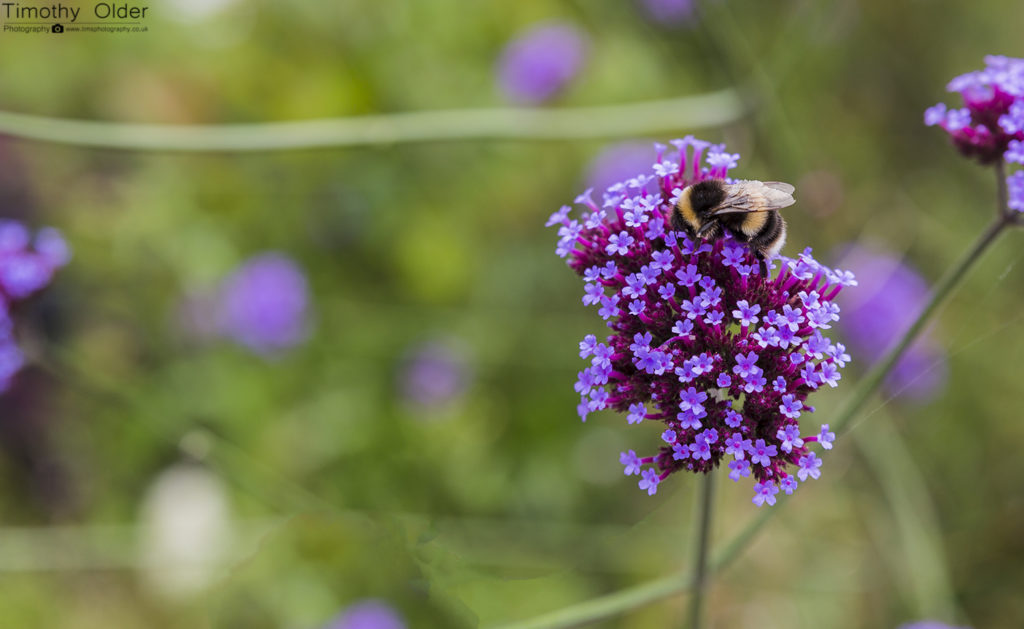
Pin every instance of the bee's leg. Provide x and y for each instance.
(709, 231)
(764, 264)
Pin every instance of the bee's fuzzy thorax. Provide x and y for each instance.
(706, 195)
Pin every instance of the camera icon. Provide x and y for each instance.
(57, 28)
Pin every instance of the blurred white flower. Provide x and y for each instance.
(185, 532)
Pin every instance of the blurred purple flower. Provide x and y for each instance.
(25, 268)
(669, 12)
(433, 374)
(619, 162)
(368, 614)
(540, 61)
(877, 315)
(929, 624)
(263, 304)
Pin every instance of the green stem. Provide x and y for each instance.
(606, 606)
(712, 109)
(871, 381)
(653, 591)
(700, 561)
(619, 602)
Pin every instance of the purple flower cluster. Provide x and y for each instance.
(27, 265)
(990, 126)
(701, 342)
(539, 62)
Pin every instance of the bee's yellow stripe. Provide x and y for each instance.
(686, 209)
(753, 223)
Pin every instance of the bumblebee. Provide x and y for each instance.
(749, 210)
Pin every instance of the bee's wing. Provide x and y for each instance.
(780, 186)
(755, 196)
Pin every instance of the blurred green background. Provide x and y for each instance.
(315, 480)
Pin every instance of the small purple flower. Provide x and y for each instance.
(587, 345)
(598, 400)
(764, 492)
(755, 381)
(602, 355)
(736, 445)
(609, 307)
(263, 304)
(788, 484)
(662, 260)
(790, 406)
(637, 413)
(700, 450)
(733, 419)
(1015, 191)
(649, 481)
(559, 217)
(738, 468)
(540, 61)
(368, 614)
(826, 437)
(1015, 152)
(592, 294)
(809, 466)
(733, 256)
(710, 436)
(584, 382)
(635, 286)
(745, 365)
(619, 243)
(692, 400)
(929, 624)
(790, 438)
(745, 313)
(762, 453)
(631, 461)
(682, 328)
(688, 276)
(683, 316)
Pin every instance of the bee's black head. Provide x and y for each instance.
(706, 195)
